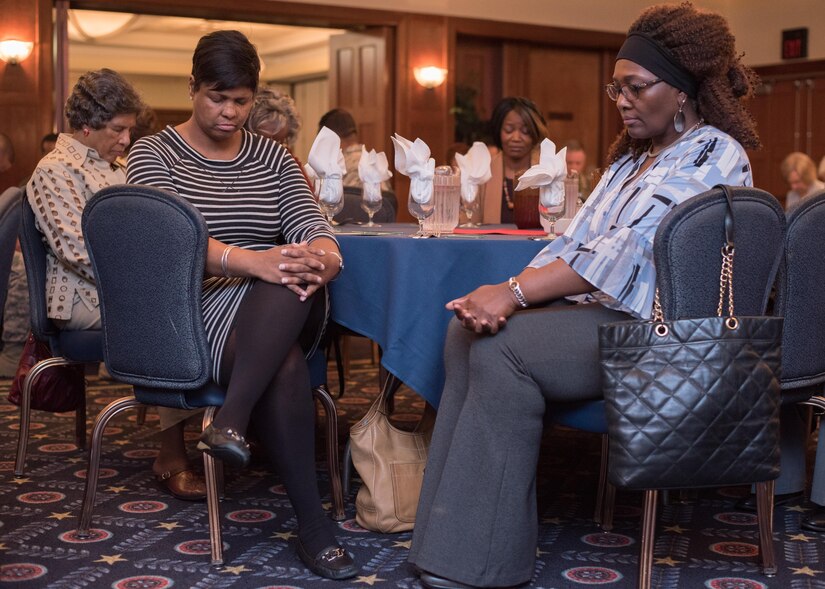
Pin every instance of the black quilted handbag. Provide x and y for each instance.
(693, 402)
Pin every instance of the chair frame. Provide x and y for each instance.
(44, 330)
(211, 468)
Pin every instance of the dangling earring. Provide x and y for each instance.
(86, 132)
(679, 119)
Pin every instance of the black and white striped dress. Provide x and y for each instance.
(257, 200)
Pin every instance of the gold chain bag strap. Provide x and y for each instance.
(390, 462)
(693, 402)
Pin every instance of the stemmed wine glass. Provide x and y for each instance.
(470, 200)
(371, 201)
(551, 214)
(421, 211)
(330, 194)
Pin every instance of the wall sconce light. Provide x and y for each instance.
(13, 51)
(430, 76)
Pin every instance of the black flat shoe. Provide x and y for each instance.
(225, 444)
(431, 581)
(333, 562)
(815, 522)
(749, 503)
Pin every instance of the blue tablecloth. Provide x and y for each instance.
(394, 288)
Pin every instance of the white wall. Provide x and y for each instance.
(757, 24)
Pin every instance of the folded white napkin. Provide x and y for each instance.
(327, 162)
(548, 175)
(413, 159)
(373, 169)
(475, 169)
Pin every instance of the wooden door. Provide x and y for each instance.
(360, 81)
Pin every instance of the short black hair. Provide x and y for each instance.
(529, 112)
(224, 60)
(340, 121)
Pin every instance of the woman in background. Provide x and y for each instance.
(799, 172)
(102, 111)
(518, 128)
(269, 257)
(274, 115)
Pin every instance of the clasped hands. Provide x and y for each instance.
(486, 309)
(300, 267)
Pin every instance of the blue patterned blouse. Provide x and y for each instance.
(610, 241)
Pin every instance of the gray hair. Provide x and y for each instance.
(98, 97)
(273, 105)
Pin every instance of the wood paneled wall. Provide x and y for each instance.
(26, 88)
(26, 103)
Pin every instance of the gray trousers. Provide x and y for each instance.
(477, 521)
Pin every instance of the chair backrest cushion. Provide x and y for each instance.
(9, 229)
(34, 250)
(688, 253)
(800, 295)
(148, 251)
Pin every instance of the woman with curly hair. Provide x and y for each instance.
(516, 346)
(274, 115)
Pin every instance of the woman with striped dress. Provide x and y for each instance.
(269, 257)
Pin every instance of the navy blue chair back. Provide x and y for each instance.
(148, 251)
(800, 295)
(34, 257)
(688, 253)
(9, 229)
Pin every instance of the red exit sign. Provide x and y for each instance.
(795, 43)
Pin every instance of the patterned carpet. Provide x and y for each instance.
(146, 539)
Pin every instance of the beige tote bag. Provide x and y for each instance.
(390, 463)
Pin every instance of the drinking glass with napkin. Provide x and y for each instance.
(373, 169)
(475, 170)
(548, 175)
(327, 162)
(413, 159)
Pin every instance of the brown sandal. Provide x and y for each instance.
(185, 485)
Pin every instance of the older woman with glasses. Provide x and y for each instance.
(516, 346)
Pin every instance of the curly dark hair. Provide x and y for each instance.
(98, 97)
(702, 43)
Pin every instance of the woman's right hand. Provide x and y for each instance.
(486, 309)
(297, 266)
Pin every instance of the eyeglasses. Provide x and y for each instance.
(629, 91)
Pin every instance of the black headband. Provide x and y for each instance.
(640, 48)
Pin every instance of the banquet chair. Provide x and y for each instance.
(800, 299)
(9, 229)
(148, 251)
(67, 347)
(687, 256)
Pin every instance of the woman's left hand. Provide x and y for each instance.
(486, 309)
(307, 268)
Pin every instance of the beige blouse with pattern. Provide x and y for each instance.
(62, 183)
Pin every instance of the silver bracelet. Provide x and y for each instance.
(515, 288)
(340, 263)
(225, 260)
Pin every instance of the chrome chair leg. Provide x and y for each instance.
(213, 508)
(609, 506)
(648, 537)
(80, 424)
(600, 490)
(333, 464)
(26, 410)
(93, 466)
(764, 513)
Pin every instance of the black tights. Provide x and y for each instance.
(270, 375)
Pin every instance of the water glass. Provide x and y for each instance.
(371, 200)
(447, 201)
(330, 194)
(471, 207)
